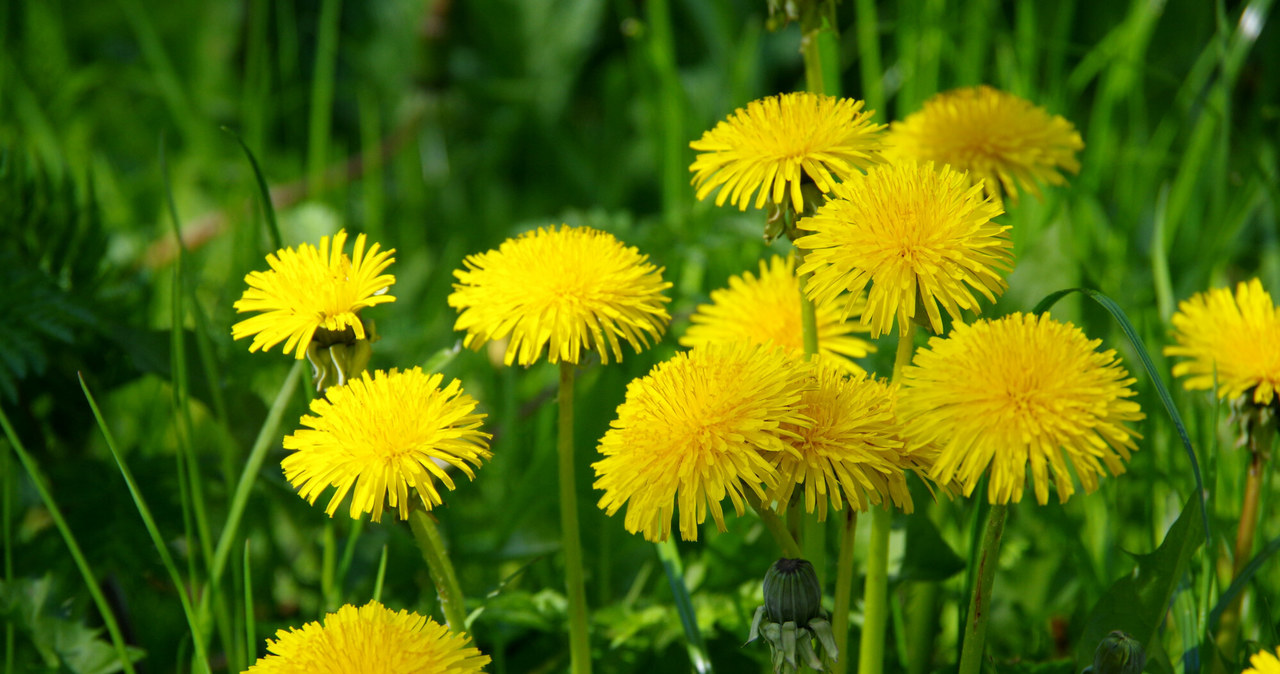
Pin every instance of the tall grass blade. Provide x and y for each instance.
(250, 624)
(697, 648)
(264, 193)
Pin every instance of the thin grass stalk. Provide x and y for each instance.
(669, 108)
(975, 626)
(452, 602)
(579, 637)
(250, 625)
(844, 591)
(201, 655)
(322, 94)
(328, 565)
(86, 572)
(867, 23)
(381, 575)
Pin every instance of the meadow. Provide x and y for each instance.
(152, 155)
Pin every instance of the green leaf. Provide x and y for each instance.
(1137, 602)
(61, 642)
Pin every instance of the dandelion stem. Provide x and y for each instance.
(776, 526)
(975, 626)
(579, 639)
(452, 603)
(844, 588)
(1258, 434)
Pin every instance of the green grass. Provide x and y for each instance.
(440, 129)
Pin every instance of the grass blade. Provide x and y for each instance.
(684, 605)
(250, 626)
(264, 193)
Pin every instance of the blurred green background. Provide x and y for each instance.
(441, 128)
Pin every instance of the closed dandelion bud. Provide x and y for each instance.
(1119, 653)
(792, 592)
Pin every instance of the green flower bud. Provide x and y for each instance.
(1119, 653)
(792, 592)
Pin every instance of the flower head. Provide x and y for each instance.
(998, 138)
(371, 639)
(914, 232)
(309, 289)
(852, 450)
(563, 291)
(1235, 337)
(1264, 662)
(1019, 390)
(385, 434)
(766, 310)
(695, 429)
(775, 142)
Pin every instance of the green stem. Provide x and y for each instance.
(579, 638)
(452, 603)
(975, 626)
(844, 588)
(1258, 435)
(777, 527)
(322, 94)
(867, 23)
(875, 596)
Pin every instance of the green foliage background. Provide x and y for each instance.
(441, 128)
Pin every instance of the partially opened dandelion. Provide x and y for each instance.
(371, 639)
(766, 310)
(915, 233)
(314, 294)
(699, 427)
(777, 143)
(563, 292)
(1005, 397)
(1003, 141)
(379, 437)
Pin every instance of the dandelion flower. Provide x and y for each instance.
(851, 451)
(1237, 338)
(384, 435)
(1019, 390)
(766, 310)
(1264, 662)
(998, 138)
(561, 291)
(776, 142)
(309, 289)
(915, 233)
(696, 428)
(371, 639)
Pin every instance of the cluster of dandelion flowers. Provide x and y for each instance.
(1264, 662)
(999, 395)
(309, 289)
(699, 427)
(562, 291)
(772, 145)
(998, 138)
(912, 232)
(380, 436)
(1233, 337)
(850, 451)
(766, 310)
(371, 639)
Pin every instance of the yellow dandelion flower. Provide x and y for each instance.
(851, 451)
(776, 142)
(561, 291)
(371, 639)
(998, 138)
(766, 310)
(1002, 394)
(310, 289)
(1264, 662)
(1238, 337)
(915, 233)
(384, 435)
(695, 430)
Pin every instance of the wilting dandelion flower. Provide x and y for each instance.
(371, 639)
(766, 310)
(560, 291)
(998, 138)
(1001, 395)
(309, 289)
(384, 435)
(1264, 662)
(773, 144)
(913, 232)
(851, 451)
(695, 429)
(1236, 338)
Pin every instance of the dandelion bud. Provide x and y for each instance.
(1119, 653)
(792, 592)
